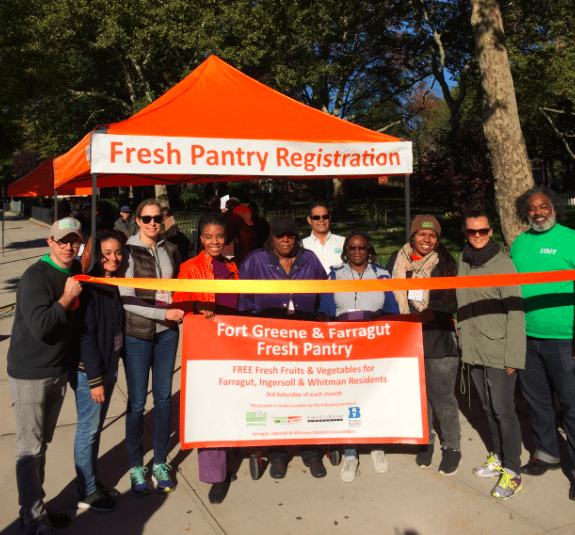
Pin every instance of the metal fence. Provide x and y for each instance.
(46, 215)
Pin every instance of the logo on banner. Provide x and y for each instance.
(354, 417)
(287, 419)
(324, 418)
(256, 418)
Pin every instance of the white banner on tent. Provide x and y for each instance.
(182, 155)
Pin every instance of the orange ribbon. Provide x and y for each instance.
(337, 286)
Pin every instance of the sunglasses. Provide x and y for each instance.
(471, 232)
(359, 248)
(147, 218)
(318, 217)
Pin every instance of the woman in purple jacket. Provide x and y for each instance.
(282, 258)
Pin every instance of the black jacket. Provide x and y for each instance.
(438, 335)
(42, 329)
(98, 336)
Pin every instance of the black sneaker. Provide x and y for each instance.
(450, 461)
(57, 520)
(423, 458)
(97, 501)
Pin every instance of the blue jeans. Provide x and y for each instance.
(549, 366)
(91, 418)
(158, 355)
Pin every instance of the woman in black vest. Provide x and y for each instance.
(151, 343)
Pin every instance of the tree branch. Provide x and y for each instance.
(558, 133)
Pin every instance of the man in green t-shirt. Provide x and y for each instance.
(549, 363)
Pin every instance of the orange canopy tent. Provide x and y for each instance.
(221, 125)
(40, 183)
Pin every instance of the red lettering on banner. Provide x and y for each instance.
(212, 158)
(229, 153)
(173, 151)
(384, 158)
(129, 151)
(159, 156)
(144, 156)
(240, 153)
(396, 154)
(115, 152)
(197, 152)
(282, 154)
(296, 159)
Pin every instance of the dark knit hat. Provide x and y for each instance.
(425, 222)
(283, 224)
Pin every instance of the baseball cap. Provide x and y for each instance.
(125, 208)
(282, 224)
(63, 227)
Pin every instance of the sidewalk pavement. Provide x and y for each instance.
(405, 501)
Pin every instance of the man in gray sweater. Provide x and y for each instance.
(46, 299)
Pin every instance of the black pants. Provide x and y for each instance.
(497, 393)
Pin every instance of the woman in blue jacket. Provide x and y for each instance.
(94, 369)
(358, 258)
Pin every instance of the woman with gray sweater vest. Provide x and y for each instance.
(151, 342)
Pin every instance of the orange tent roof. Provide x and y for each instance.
(214, 102)
(40, 183)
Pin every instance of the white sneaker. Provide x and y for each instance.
(379, 461)
(349, 469)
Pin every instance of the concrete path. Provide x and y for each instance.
(405, 501)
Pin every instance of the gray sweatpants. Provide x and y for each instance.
(37, 404)
(440, 376)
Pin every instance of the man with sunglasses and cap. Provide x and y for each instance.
(327, 246)
(46, 300)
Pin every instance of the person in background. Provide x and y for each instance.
(248, 236)
(46, 303)
(328, 247)
(174, 235)
(152, 334)
(491, 335)
(549, 364)
(424, 256)
(282, 258)
(358, 259)
(261, 226)
(126, 224)
(93, 369)
(210, 264)
(84, 216)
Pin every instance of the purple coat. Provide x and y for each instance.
(261, 265)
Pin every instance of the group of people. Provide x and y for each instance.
(68, 332)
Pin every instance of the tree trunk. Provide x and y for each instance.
(162, 194)
(509, 159)
(338, 197)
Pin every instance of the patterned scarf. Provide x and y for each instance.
(420, 269)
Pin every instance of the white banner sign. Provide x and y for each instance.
(177, 155)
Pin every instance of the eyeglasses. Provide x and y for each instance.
(359, 248)
(318, 217)
(63, 243)
(471, 232)
(147, 218)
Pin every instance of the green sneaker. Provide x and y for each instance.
(161, 476)
(507, 486)
(491, 468)
(138, 481)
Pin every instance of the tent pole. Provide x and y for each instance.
(407, 211)
(3, 212)
(56, 204)
(94, 206)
